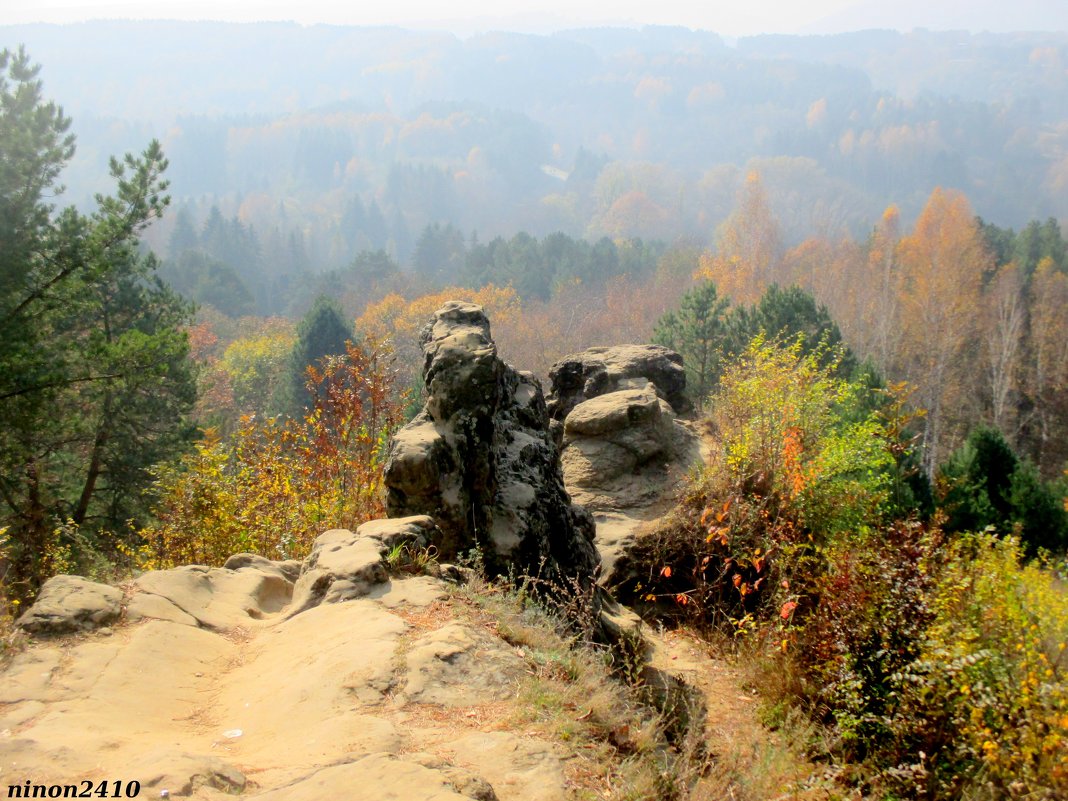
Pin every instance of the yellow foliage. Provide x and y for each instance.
(779, 415)
(991, 673)
(401, 320)
(255, 366)
(276, 485)
(748, 247)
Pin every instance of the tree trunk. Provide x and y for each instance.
(96, 463)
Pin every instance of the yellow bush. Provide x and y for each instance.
(988, 696)
(275, 485)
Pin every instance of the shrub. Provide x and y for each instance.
(986, 699)
(802, 463)
(275, 484)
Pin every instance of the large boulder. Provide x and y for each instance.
(69, 604)
(479, 459)
(600, 371)
(347, 564)
(623, 450)
(611, 442)
(216, 598)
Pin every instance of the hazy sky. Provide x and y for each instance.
(729, 17)
(732, 17)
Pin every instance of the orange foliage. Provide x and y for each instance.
(577, 317)
(748, 256)
(278, 484)
(942, 262)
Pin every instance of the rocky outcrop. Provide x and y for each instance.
(214, 685)
(344, 565)
(600, 371)
(612, 437)
(480, 461)
(303, 680)
(68, 604)
(614, 416)
(623, 450)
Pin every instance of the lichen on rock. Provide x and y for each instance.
(480, 460)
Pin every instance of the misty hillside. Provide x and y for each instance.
(325, 141)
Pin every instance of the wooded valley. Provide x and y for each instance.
(856, 244)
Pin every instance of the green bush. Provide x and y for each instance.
(984, 484)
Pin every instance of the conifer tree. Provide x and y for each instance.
(322, 332)
(696, 331)
(95, 380)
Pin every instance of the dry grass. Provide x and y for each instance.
(571, 696)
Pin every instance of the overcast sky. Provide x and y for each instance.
(731, 17)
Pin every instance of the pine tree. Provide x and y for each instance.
(322, 332)
(696, 331)
(95, 380)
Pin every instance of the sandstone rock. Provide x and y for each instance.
(618, 449)
(374, 776)
(416, 531)
(480, 461)
(147, 606)
(289, 569)
(68, 604)
(622, 449)
(635, 421)
(183, 774)
(415, 592)
(599, 371)
(517, 767)
(344, 565)
(215, 597)
(456, 666)
(614, 418)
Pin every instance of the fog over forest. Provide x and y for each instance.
(327, 141)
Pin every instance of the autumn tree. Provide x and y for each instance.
(256, 368)
(1047, 375)
(1003, 326)
(276, 484)
(399, 321)
(942, 262)
(748, 248)
(882, 311)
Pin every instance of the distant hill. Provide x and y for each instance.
(329, 140)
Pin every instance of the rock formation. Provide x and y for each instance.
(251, 679)
(599, 371)
(614, 416)
(623, 449)
(479, 459)
(68, 604)
(303, 680)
